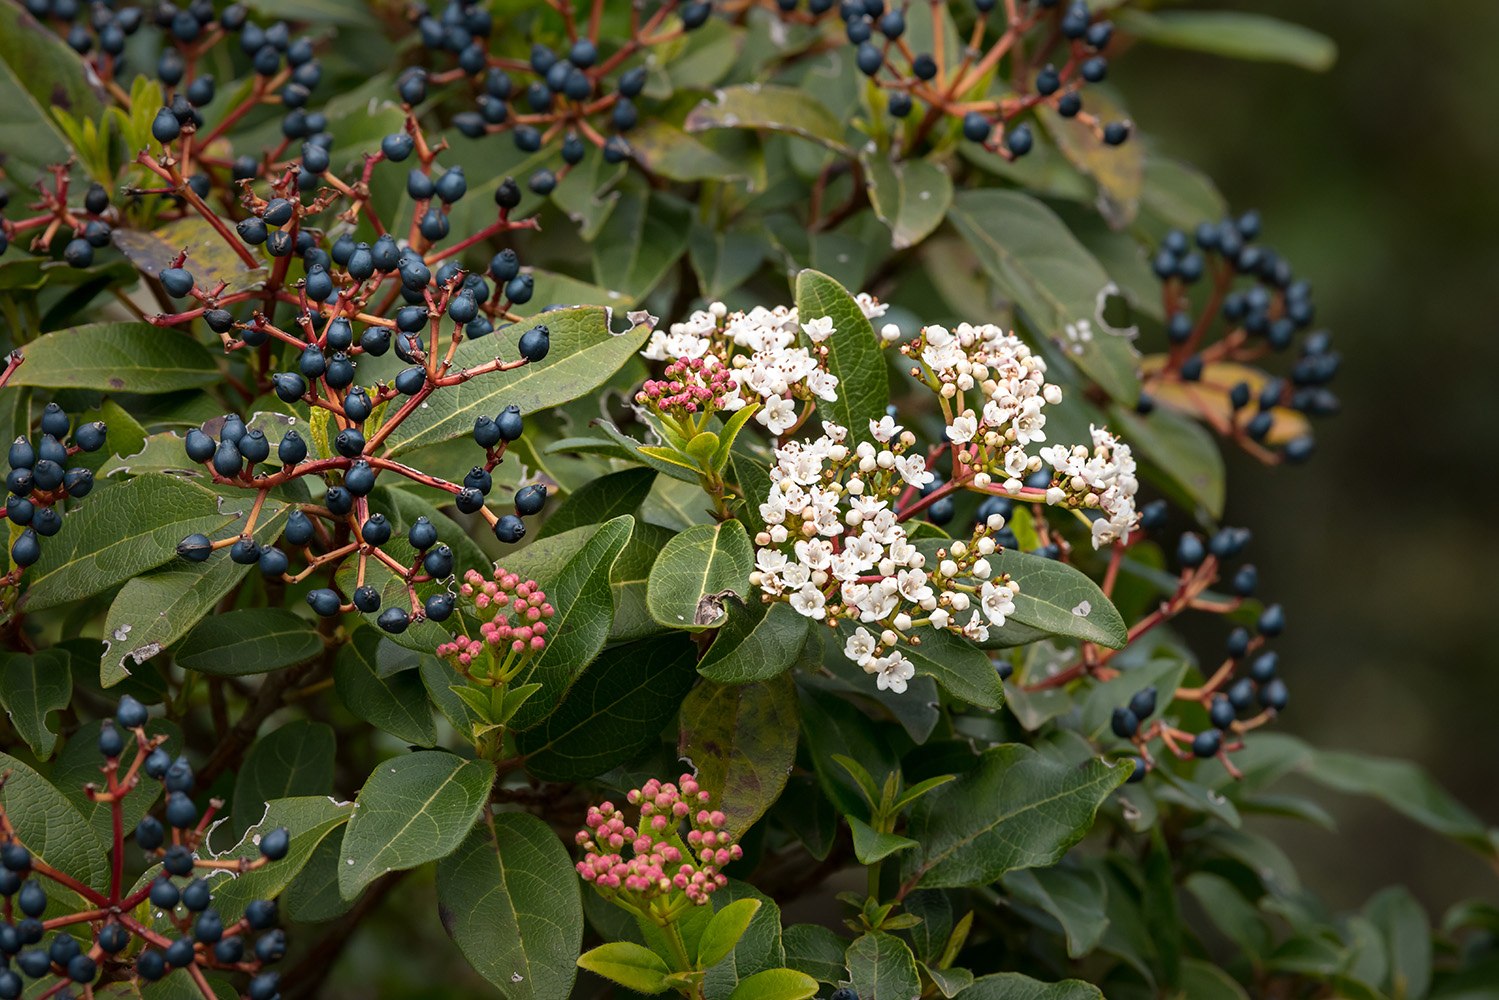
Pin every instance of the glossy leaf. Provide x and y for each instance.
(1014, 986)
(37, 72)
(628, 964)
(310, 819)
(248, 641)
(909, 196)
(509, 898)
(724, 931)
(154, 610)
(1236, 34)
(412, 810)
(49, 825)
(32, 687)
(697, 574)
(792, 110)
(616, 710)
(775, 984)
(584, 353)
(854, 354)
(1060, 600)
(741, 740)
(881, 967)
(608, 496)
(117, 357)
(291, 761)
(580, 591)
(1036, 262)
(755, 643)
(1179, 449)
(643, 237)
(1016, 809)
(120, 532)
(396, 703)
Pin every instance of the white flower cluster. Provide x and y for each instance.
(761, 349)
(1103, 477)
(996, 390)
(834, 548)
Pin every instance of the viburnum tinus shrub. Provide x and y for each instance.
(583, 477)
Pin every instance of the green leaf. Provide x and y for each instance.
(697, 574)
(1405, 787)
(600, 499)
(881, 967)
(833, 726)
(584, 354)
(815, 950)
(741, 739)
(49, 825)
(628, 579)
(909, 196)
(616, 710)
(950, 982)
(756, 642)
(724, 260)
(292, 761)
(580, 591)
(665, 150)
(1235, 34)
(792, 110)
(118, 533)
(872, 846)
(117, 357)
(31, 689)
(1407, 940)
(961, 668)
(1179, 449)
(1017, 809)
(758, 950)
(1037, 263)
(724, 931)
(1073, 897)
(776, 984)
(663, 460)
(310, 819)
(1117, 170)
(248, 641)
(38, 71)
(396, 703)
(154, 610)
(853, 352)
(412, 810)
(1014, 986)
(644, 236)
(1179, 195)
(208, 256)
(628, 964)
(509, 898)
(1059, 599)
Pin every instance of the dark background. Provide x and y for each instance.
(1378, 180)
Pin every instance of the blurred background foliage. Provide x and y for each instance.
(1377, 179)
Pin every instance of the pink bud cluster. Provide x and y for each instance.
(517, 612)
(691, 385)
(659, 863)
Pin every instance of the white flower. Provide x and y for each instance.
(963, 427)
(860, 646)
(870, 306)
(819, 329)
(998, 602)
(913, 470)
(778, 415)
(809, 601)
(884, 429)
(892, 673)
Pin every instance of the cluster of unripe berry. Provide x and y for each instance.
(939, 84)
(580, 95)
(204, 941)
(1258, 306)
(39, 478)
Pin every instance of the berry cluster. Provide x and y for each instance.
(664, 870)
(580, 94)
(204, 941)
(40, 478)
(1242, 694)
(943, 85)
(91, 222)
(1257, 306)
